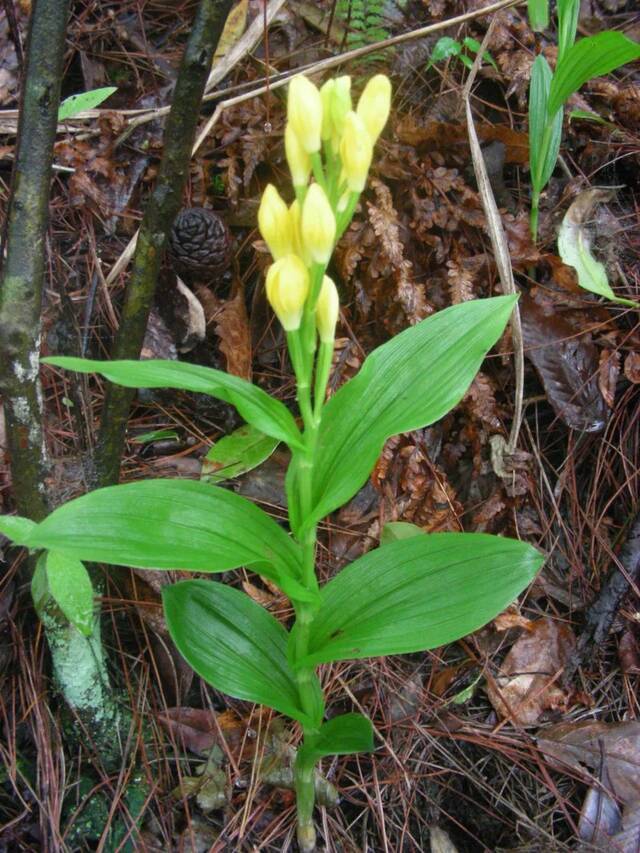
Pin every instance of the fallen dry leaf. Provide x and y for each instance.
(611, 752)
(233, 29)
(608, 372)
(512, 618)
(528, 681)
(235, 336)
(199, 729)
(632, 367)
(567, 364)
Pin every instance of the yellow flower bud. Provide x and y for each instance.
(295, 218)
(287, 288)
(304, 111)
(327, 309)
(340, 106)
(356, 150)
(343, 201)
(336, 103)
(318, 225)
(297, 158)
(326, 94)
(274, 223)
(374, 105)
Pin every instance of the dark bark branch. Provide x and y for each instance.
(161, 210)
(23, 274)
(603, 610)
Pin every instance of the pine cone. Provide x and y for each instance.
(199, 244)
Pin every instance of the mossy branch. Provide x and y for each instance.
(78, 663)
(21, 287)
(161, 210)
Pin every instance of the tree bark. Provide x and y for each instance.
(23, 270)
(79, 663)
(160, 212)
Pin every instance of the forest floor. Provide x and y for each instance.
(523, 736)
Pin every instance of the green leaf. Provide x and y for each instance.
(568, 14)
(235, 454)
(585, 115)
(418, 594)
(590, 57)
(70, 586)
(538, 11)
(172, 524)
(394, 531)
(443, 49)
(254, 404)
(16, 528)
(575, 250)
(341, 735)
(84, 101)
(407, 383)
(233, 643)
(466, 61)
(544, 134)
(154, 435)
(474, 46)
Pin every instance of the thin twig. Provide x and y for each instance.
(498, 240)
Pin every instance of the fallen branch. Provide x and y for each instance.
(602, 612)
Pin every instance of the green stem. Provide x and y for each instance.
(305, 676)
(533, 216)
(346, 216)
(323, 369)
(536, 180)
(302, 370)
(318, 171)
(305, 800)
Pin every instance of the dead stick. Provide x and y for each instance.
(160, 212)
(602, 611)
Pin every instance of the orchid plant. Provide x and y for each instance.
(415, 591)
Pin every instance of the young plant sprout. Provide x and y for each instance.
(415, 591)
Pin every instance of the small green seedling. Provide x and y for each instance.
(415, 591)
(577, 63)
(447, 47)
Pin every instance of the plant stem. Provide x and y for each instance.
(160, 212)
(305, 676)
(533, 216)
(323, 369)
(305, 800)
(318, 171)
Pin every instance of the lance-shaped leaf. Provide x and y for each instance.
(67, 581)
(75, 104)
(255, 405)
(544, 134)
(407, 383)
(170, 524)
(590, 57)
(233, 643)
(16, 527)
(417, 594)
(341, 735)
